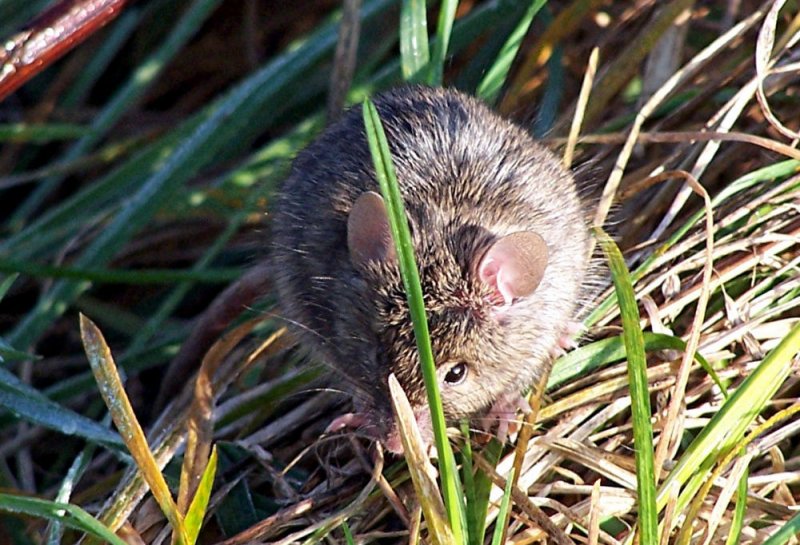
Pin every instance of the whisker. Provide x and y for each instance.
(295, 323)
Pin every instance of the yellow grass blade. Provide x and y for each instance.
(105, 373)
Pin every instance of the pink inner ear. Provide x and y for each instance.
(514, 265)
(369, 237)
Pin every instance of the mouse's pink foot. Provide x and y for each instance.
(347, 420)
(504, 413)
(566, 341)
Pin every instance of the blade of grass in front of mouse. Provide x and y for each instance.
(381, 156)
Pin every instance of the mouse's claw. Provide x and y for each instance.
(504, 413)
(347, 420)
(566, 341)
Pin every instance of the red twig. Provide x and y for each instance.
(55, 31)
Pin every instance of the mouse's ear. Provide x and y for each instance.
(514, 265)
(369, 237)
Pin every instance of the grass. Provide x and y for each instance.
(401, 234)
(134, 177)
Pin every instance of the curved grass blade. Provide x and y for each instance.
(64, 513)
(502, 515)
(414, 40)
(553, 94)
(6, 284)
(74, 473)
(108, 276)
(268, 163)
(495, 77)
(640, 394)
(48, 230)
(9, 353)
(31, 405)
(381, 156)
(105, 372)
(761, 175)
(466, 30)
(483, 489)
(118, 33)
(606, 351)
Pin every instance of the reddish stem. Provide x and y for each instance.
(50, 35)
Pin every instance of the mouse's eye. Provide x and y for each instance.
(456, 374)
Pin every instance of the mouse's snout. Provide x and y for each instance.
(377, 421)
(391, 440)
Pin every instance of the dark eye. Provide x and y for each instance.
(456, 374)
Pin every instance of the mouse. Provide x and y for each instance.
(502, 245)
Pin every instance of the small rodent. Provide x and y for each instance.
(501, 244)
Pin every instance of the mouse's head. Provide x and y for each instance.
(487, 336)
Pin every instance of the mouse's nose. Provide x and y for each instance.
(391, 438)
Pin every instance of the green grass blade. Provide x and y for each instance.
(74, 473)
(483, 490)
(267, 93)
(738, 513)
(268, 163)
(9, 353)
(197, 509)
(414, 40)
(732, 420)
(65, 513)
(118, 33)
(481, 19)
(788, 531)
(387, 179)
(640, 394)
(30, 405)
(227, 125)
(550, 102)
(468, 478)
(40, 134)
(477, 485)
(105, 276)
(15, 13)
(612, 349)
(58, 223)
(348, 535)
(495, 77)
(447, 14)
(6, 284)
(502, 515)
